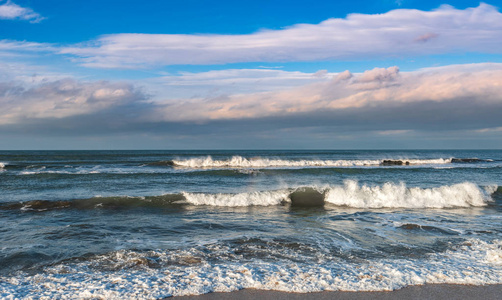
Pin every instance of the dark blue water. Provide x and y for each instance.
(152, 224)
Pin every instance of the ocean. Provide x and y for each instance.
(154, 224)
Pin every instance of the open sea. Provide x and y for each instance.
(154, 224)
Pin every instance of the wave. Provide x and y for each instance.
(469, 160)
(259, 162)
(266, 198)
(118, 202)
(391, 195)
(40, 171)
(158, 274)
(236, 162)
(351, 194)
(354, 195)
(82, 171)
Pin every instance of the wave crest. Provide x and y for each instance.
(258, 162)
(391, 195)
(265, 198)
(350, 194)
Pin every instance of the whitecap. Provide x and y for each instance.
(391, 195)
(259, 162)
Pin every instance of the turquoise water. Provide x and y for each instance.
(152, 224)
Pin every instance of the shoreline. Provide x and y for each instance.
(427, 291)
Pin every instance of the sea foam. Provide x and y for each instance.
(353, 194)
(265, 198)
(258, 162)
(349, 194)
(158, 274)
(391, 195)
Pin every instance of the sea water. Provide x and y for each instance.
(153, 224)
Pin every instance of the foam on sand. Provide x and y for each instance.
(127, 274)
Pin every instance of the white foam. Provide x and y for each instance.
(43, 170)
(352, 194)
(2, 165)
(490, 189)
(128, 276)
(437, 161)
(391, 195)
(258, 162)
(265, 198)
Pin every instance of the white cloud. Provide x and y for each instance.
(12, 11)
(230, 81)
(27, 75)
(400, 32)
(393, 132)
(485, 130)
(10, 50)
(383, 101)
(377, 87)
(61, 99)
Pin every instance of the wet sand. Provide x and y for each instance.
(430, 291)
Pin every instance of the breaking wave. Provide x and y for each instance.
(259, 162)
(392, 195)
(350, 194)
(158, 274)
(241, 162)
(266, 198)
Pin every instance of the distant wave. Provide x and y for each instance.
(350, 194)
(42, 171)
(259, 162)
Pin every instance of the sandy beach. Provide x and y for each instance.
(431, 291)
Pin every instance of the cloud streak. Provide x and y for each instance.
(11, 11)
(397, 33)
(230, 81)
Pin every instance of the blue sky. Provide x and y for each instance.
(250, 74)
(77, 21)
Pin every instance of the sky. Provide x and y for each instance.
(268, 74)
